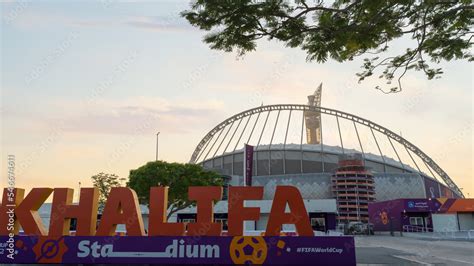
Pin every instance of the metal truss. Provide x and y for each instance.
(338, 114)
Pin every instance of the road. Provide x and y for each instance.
(409, 251)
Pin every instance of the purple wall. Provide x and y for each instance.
(330, 221)
(398, 212)
(386, 214)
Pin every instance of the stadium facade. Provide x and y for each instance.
(295, 145)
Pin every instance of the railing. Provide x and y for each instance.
(416, 229)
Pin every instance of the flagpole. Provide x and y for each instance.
(245, 167)
(248, 163)
(245, 181)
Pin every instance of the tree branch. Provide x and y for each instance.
(175, 209)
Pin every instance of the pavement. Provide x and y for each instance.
(453, 236)
(398, 250)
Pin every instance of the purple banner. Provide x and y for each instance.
(179, 250)
(446, 192)
(248, 165)
(432, 188)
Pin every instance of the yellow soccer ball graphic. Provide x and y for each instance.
(248, 249)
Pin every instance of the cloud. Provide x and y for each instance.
(153, 23)
(159, 23)
(28, 18)
(134, 115)
(139, 121)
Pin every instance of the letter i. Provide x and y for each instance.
(181, 248)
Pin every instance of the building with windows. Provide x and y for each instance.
(353, 188)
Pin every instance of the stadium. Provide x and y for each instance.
(312, 148)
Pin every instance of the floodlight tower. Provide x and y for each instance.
(313, 118)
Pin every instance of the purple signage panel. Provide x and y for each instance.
(179, 250)
(248, 165)
(421, 205)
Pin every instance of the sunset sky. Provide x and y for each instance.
(85, 87)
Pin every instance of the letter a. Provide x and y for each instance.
(121, 208)
(297, 215)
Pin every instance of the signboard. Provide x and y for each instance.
(199, 242)
(418, 205)
(182, 250)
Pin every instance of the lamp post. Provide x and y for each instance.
(79, 191)
(157, 139)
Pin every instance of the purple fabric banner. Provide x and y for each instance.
(432, 188)
(179, 250)
(248, 164)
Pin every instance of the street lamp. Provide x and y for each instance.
(79, 191)
(157, 139)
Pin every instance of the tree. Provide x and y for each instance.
(178, 177)
(345, 29)
(104, 182)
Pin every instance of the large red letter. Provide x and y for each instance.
(157, 225)
(27, 211)
(11, 199)
(121, 208)
(62, 211)
(297, 215)
(204, 197)
(237, 212)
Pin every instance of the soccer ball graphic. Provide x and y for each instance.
(248, 250)
(384, 217)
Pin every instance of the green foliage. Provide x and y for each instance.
(178, 177)
(104, 182)
(344, 29)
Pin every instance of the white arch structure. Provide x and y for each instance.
(219, 129)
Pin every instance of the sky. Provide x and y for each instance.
(86, 86)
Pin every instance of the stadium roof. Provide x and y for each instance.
(282, 126)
